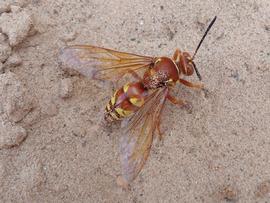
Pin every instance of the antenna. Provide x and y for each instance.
(210, 25)
(197, 72)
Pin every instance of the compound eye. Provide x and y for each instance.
(189, 66)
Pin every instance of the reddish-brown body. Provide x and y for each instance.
(164, 71)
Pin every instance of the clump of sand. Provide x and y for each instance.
(16, 101)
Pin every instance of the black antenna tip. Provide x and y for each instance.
(207, 30)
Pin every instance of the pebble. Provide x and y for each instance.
(16, 25)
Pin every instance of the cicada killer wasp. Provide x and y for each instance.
(138, 104)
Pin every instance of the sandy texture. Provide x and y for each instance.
(53, 145)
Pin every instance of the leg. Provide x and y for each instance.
(158, 122)
(135, 75)
(190, 84)
(175, 101)
(176, 55)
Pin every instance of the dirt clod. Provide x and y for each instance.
(16, 25)
(13, 61)
(15, 100)
(11, 135)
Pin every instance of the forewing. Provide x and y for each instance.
(102, 63)
(137, 140)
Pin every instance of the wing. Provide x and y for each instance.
(136, 143)
(102, 63)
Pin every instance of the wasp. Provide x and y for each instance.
(138, 104)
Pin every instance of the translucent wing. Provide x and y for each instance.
(102, 63)
(136, 143)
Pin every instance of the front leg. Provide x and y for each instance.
(176, 55)
(190, 84)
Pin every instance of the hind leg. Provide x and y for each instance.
(176, 101)
(158, 121)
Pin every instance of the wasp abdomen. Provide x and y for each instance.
(125, 101)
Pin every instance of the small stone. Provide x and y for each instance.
(16, 25)
(13, 61)
(5, 51)
(66, 88)
(11, 135)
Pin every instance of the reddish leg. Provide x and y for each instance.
(190, 84)
(158, 122)
(176, 55)
(175, 101)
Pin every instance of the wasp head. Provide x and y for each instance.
(186, 65)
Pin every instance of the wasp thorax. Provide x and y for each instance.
(163, 72)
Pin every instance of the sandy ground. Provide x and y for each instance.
(53, 146)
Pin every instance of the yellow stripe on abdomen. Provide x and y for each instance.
(138, 102)
(122, 112)
(125, 101)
